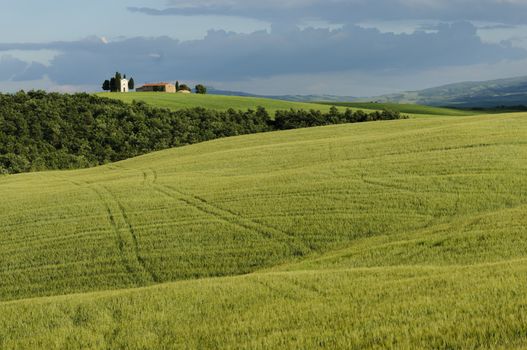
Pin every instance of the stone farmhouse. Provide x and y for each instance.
(157, 87)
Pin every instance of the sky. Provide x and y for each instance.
(273, 47)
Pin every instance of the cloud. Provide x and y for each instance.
(350, 11)
(10, 66)
(34, 71)
(286, 50)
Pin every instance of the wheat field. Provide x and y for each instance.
(396, 234)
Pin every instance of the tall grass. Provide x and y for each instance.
(477, 307)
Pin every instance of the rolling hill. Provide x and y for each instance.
(217, 102)
(484, 94)
(222, 102)
(395, 234)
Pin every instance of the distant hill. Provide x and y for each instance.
(291, 98)
(484, 94)
(487, 94)
(213, 91)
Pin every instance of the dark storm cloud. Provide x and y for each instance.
(350, 11)
(34, 71)
(10, 66)
(223, 56)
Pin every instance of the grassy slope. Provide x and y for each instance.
(389, 234)
(405, 307)
(404, 108)
(178, 101)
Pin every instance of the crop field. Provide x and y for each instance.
(217, 102)
(394, 234)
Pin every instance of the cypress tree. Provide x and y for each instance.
(106, 85)
(118, 78)
(113, 85)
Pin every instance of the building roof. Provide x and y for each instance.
(157, 84)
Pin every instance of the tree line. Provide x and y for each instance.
(294, 119)
(41, 131)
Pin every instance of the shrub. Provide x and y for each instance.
(201, 89)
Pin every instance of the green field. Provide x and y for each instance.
(395, 234)
(218, 102)
(405, 108)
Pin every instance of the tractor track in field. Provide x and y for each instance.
(385, 185)
(150, 178)
(308, 287)
(124, 249)
(298, 248)
(131, 230)
(276, 291)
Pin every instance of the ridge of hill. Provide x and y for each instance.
(293, 98)
(244, 102)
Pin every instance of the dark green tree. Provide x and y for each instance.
(201, 89)
(106, 85)
(131, 84)
(177, 85)
(118, 78)
(113, 85)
